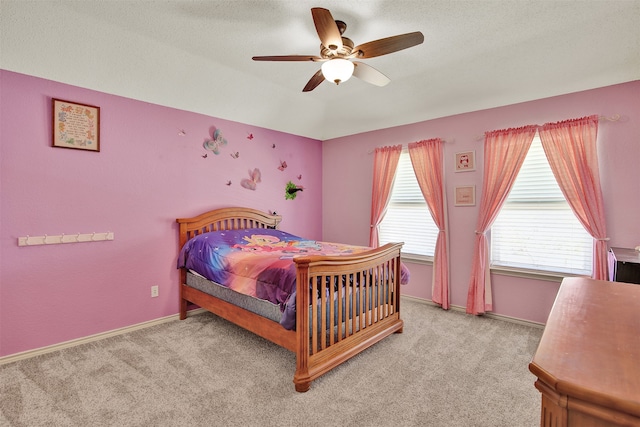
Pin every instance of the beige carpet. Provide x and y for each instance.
(446, 369)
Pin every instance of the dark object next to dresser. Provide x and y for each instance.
(624, 265)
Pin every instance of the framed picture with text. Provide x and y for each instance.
(465, 195)
(465, 161)
(76, 125)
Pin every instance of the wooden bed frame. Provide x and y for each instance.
(364, 313)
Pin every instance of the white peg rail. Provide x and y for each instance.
(64, 238)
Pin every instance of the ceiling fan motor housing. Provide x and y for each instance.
(345, 51)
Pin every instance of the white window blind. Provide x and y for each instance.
(536, 229)
(408, 218)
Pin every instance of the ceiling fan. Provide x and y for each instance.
(337, 52)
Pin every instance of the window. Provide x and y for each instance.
(536, 229)
(408, 218)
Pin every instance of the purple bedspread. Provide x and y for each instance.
(258, 262)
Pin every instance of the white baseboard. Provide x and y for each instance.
(490, 315)
(79, 341)
(84, 340)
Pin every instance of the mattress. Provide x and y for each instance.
(272, 311)
(255, 305)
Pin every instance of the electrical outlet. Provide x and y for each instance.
(154, 291)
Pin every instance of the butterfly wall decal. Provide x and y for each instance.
(215, 143)
(205, 155)
(251, 182)
(235, 155)
(299, 177)
(283, 165)
(228, 182)
(250, 136)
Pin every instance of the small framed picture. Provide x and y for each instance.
(76, 125)
(466, 161)
(465, 195)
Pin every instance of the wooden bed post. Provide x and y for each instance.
(396, 293)
(183, 301)
(182, 237)
(302, 379)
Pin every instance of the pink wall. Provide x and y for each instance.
(144, 177)
(347, 175)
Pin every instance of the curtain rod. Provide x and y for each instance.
(614, 118)
(406, 146)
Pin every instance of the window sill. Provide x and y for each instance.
(549, 276)
(417, 259)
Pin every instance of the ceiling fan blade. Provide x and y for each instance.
(314, 82)
(288, 58)
(369, 74)
(327, 28)
(388, 45)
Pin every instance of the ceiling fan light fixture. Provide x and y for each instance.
(337, 70)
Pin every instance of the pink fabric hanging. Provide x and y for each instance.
(426, 158)
(385, 163)
(570, 147)
(504, 153)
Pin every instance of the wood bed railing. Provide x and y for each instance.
(225, 219)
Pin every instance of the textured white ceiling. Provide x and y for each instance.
(196, 55)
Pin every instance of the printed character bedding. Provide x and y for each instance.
(258, 262)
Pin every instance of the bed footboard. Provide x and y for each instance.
(354, 302)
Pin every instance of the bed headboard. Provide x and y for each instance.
(235, 218)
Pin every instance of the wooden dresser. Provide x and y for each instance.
(588, 359)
